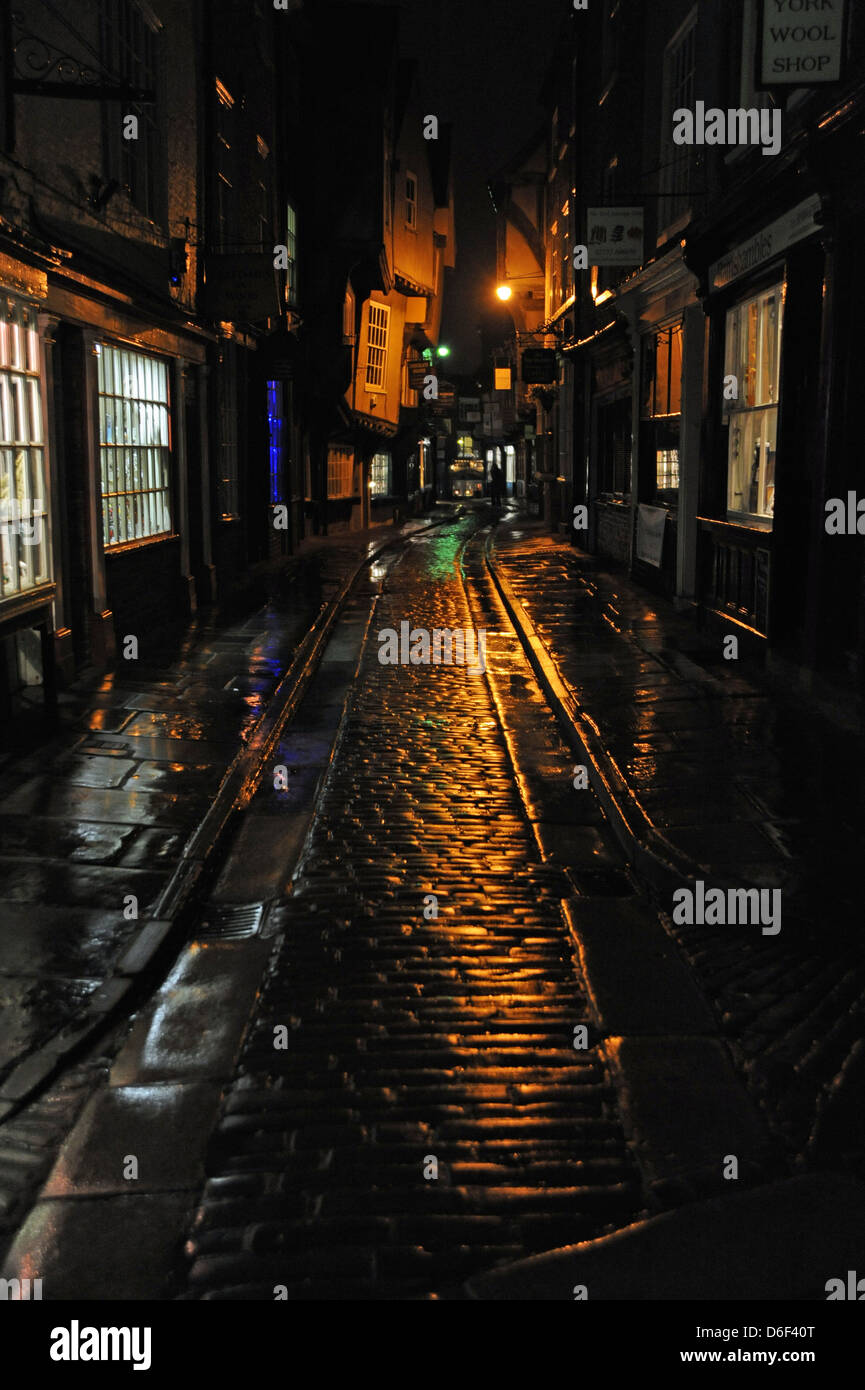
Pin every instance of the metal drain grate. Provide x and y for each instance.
(231, 922)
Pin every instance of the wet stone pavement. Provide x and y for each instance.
(415, 1043)
(93, 824)
(756, 788)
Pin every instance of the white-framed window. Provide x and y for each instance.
(411, 200)
(379, 475)
(25, 551)
(376, 346)
(753, 361)
(748, 94)
(134, 445)
(291, 247)
(677, 162)
(340, 471)
(129, 41)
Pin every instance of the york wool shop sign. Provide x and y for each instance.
(802, 42)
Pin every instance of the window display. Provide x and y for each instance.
(751, 389)
(24, 544)
(134, 446)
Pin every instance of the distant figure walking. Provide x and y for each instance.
(497, 485)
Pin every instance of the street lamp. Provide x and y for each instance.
(504, 293)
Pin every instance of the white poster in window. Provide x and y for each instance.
(651, 523)
(614, 236)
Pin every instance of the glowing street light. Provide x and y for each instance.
(504, 293)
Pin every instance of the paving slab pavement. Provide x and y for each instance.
(749, 785)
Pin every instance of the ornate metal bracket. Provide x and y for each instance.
(42, 69)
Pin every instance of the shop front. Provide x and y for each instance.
(28, 589)
(611, 418)
(756, 496)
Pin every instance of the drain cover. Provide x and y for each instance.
(230, 921)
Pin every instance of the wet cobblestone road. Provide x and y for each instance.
(412, 1039)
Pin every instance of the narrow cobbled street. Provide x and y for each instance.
(418, 1035)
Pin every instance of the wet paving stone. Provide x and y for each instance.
(413, 1039)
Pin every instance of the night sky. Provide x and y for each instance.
(481, 65)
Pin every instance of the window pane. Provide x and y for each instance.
(676, 372)
(662, 396)
(137, 469)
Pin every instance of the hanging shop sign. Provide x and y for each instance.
(418, 373)
(614, 236)
(242, 288)
(800, 222)
(801, 42)
(539, 366)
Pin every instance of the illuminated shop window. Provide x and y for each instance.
(753, 360)
(340, 472)
(134, 446)
(24, 548)
(276, 438)
(661, 403)
(379, 475)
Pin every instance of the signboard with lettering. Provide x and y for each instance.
(614, 236)
(417, 374)
(539, 366)
(801, 42)
(242, 288)
(800, 222)
(651, 524)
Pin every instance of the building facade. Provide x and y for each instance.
(703, 282)
(381, 236)
(141, 198)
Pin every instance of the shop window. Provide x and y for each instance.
(614, 447)
(134, 446)
(24, 547)
(752, 379)
(379, 475)
(661, 405)
(340, 472)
